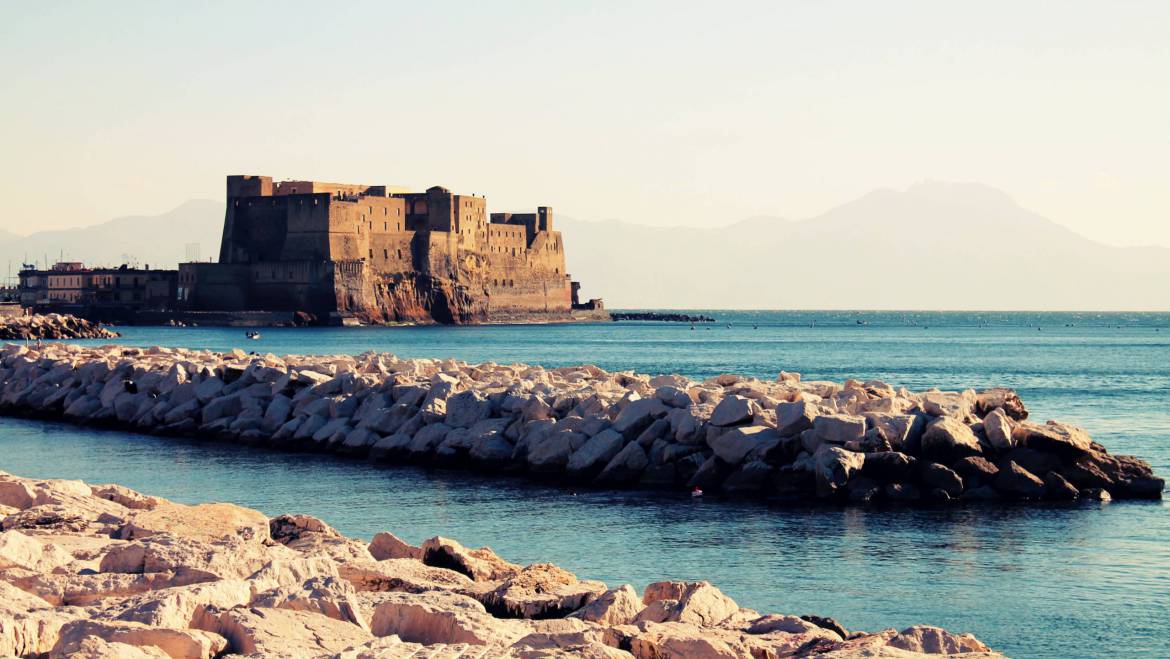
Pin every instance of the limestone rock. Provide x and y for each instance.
(998, 429)
(733, 445)
(284, 632)
(1016, 482)
(595, 454)
(834, 467)
(949, 438)
(192, 643)
(616, 606)
(932, 640)
(794, 418)
(208, 521)
(332, 597)
(626, 466)
(387, 545)
(480, 564)
(20, 550)
(539, 591)
(1055, 437)
(734, 410)
(839, 429)
(440, 617)
(403, 575)
(94, 647)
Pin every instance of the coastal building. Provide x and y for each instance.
(99, 293)
(340, 252)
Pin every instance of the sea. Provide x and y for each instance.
(1039, 580)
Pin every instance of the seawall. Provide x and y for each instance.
(856, 442)
(102, 571)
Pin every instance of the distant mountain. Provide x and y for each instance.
(159, 240)
(933, 246)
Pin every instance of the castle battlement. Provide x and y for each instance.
(293, 246)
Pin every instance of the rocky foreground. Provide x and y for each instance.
(788, 438)
(51, 326)
(103, 571)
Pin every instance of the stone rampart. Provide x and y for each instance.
(844, 442)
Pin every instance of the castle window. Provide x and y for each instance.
(371, 253)
(399, 253)
(385, 254)
(385, 226)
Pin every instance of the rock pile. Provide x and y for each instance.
(788, 438)
(51, 326)
(105, 572)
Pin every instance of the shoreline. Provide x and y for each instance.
(581, 426)
(111, 572)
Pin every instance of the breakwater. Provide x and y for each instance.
(105, 571)
(788, 438)
(660, 316)
(51, 326)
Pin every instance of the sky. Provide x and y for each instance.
(662, 113)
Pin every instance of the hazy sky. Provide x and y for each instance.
(662, 113)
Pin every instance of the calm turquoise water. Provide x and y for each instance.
(1051, 581)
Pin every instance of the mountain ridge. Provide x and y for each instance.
(934, 245)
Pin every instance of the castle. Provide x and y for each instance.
(345, 253)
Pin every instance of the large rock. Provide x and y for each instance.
(595, 454)
(734, 410)
(1056, 437)
(404, 575)
(332, 597)
(888, 466)
(1002, 399)
(208, 521)
(794, 418)
(638, 415)
(948, 439)
(467, 408)
(284, 632)
(1016, 482)
(833, 467)
(440, 617)
(179, 607)
(932, 640)
(998, 429)
(956, 405)
(616, 606)
(21, 551)
(539, 591)
(839, 429)
(936, 476)
(386, 545)
(626, 467)
(186, 643)
(733, 445)
(480, 564)
(702, 604)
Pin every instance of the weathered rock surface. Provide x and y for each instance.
(729, 434)
(218, 580)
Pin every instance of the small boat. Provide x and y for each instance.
(696, 492)
(252, 335)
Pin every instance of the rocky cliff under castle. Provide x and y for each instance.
(359, 253)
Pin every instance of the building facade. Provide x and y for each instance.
(97, 293)
(378, 254)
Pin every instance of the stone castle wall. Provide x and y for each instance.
(379, 255)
